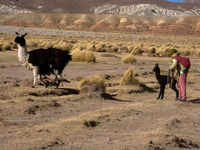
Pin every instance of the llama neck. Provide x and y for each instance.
(157, 75)
(22, 53)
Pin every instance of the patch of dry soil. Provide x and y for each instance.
(39, 118)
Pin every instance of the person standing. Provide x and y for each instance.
(180, 73)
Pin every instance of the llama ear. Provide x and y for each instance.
(17, 33)
(24, 35)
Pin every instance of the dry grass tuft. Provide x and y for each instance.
(48, 45)
(197, 52)
(64, 46)
(32, 43)
(129, 78)
(129, 59)
(94, 84)
(82, 56)
(6, 46)
(137, 50)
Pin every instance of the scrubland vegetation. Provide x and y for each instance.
(111, 100)
(133, 44)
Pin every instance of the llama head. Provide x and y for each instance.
(156, 68)
(20, 39)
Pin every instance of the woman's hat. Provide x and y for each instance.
(171, 51)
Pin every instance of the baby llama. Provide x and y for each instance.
(162, 80)
(42, 61)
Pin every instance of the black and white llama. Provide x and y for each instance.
(162, 80)
(42, 61)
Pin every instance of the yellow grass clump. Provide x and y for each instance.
(90, 47)
(129, 78)
(82, 56)
(129, 59)
(6, 46)
(92, 84)
(48, 45)
(137, 50)
(197, 52)
(64, 46)
(32, 43)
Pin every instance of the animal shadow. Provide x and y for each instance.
(195, 101)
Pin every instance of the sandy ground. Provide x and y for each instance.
(120, 119)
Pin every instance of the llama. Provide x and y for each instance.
(42, 61)
(163, 80)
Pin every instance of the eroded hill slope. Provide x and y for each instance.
(121, 23)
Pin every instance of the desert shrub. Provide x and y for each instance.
(13, 45)
(129, 59)
(113, 48)
(64, 46)
(185, 53)
(48, 45)
(137, 50)
(77, 45)
(92, 84)
(197, 53)
(129, 78)
(152, 50)
(90, 47)
(119, 51)
(99, 48)
(167, 49)
(32, 43)
(6, 46)
(89, 56)
(124, 49)
(82, 56)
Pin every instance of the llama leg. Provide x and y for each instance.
(59, 80)
(162, 91)
(174, 88)
(54, 80)
(41, 80)
(35, 75)
(159, 93)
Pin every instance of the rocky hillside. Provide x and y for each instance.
(100, 22)
(125, 7)
(145, 10)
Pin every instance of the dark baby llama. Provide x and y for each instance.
(42, 61)
(162, 80)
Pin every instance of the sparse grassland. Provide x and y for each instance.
(107, 104)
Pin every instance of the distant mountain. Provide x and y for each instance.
(122, 7)
(191, 1)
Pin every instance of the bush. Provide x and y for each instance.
(89, 56)
(197, 52)
(137, 50)
(6, 46)
(64, 46)
(152, 50)
(90, 47)
(129, 59)
(48, 45)
(32, 43)
(82, 56)
(93, 84)
(129, 78)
